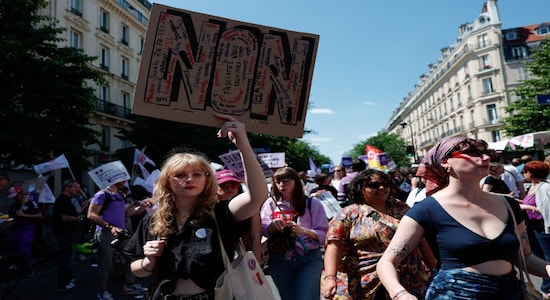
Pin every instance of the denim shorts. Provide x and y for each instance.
(202, 296)
(459, 284)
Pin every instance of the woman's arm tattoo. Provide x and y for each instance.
(402, 249)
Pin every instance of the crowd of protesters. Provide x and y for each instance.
(341, 253)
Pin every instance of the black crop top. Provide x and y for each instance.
(193, 253)
(454, 245)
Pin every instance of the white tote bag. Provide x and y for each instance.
(243, 279)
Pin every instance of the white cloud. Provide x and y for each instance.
(322, 111)
(363, 137)
(368, 103)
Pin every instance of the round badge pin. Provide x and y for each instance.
(201, 233)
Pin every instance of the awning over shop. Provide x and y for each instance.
(528, 140)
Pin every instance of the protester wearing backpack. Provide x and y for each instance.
(110, 225)
(65, 226)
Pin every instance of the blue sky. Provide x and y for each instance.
(370, 54)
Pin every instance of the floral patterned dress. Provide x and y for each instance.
(366, 233)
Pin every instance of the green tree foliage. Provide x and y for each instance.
(390, 143)
(45, 103)
(160, 136)
(525, 114)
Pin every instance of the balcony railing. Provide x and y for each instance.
(112, 109)
(132, 10)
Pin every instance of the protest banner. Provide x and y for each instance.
(194, 65)
(346, 162)
(109, 174)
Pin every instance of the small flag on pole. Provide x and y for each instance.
(143, 162)
(313, 167)
(59, 163)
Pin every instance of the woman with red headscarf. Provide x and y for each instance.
(470, 231)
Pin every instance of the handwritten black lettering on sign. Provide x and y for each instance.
(194, 65)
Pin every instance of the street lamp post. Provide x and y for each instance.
(403, 125)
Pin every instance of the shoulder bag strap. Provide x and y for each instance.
(226, 261)
(522, 265)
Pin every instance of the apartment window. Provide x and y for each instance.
(141, 44)
(104, 93)
(510, 36)
(495, 135)
(543, 30)
(522, 74)
(125, 65)
(469, 89)
(125, 35)
(104, 21)
(519, 52)
(485, 62)
(75, 39)
(76, 7)
(125, 99)
(487, 85)
(483, 40)
(104, 58)
(105, 138)
(458, 100)
(492, 114)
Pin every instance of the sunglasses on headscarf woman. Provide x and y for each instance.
(475, 148)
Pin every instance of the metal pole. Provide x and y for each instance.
(412, 143)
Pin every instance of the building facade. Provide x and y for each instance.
(466, 91)
(114, 32)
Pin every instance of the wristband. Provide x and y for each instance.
(399, 294)
(108, 226)
(329, 277)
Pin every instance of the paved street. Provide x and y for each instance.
(44, 284)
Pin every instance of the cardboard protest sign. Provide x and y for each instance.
(273, 160)
(330, 204)
(194, 65)
(109, 174)
(234, 163)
